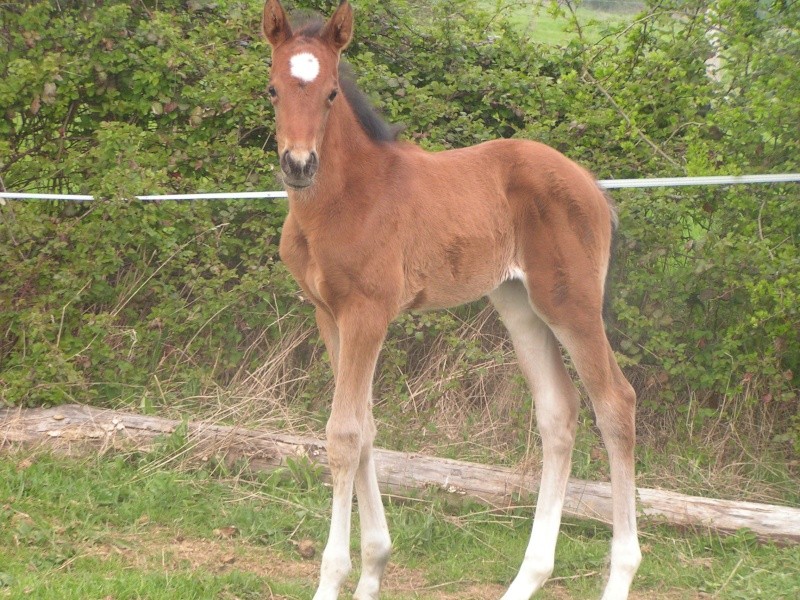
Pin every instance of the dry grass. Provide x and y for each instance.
(261, 398)
(468, 403)
(461, 395)
(732, 457)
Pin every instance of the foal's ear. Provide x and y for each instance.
(275, 24)
(339, 29)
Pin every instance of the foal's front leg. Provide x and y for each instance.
(361, 331)
(376, 545)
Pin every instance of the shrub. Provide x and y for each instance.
(119, 300)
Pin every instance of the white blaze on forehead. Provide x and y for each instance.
(304, 66)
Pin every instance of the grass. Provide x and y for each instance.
(538, 20)
(124, 527)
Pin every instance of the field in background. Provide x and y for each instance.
(541, 21)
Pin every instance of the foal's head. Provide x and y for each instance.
(303, 85)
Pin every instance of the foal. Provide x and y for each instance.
(376, 227)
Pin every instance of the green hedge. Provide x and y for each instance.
(110, 301)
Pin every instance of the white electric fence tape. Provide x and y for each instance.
(609, 184)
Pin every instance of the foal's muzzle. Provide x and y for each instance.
(299, 168)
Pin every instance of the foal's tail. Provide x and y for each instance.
(612, 251)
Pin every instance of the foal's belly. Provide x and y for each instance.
(455, 277)
(459, 254)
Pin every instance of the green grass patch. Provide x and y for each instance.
(541, 21)
(124, 527)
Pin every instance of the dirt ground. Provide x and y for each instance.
(159, 549)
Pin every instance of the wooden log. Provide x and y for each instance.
(73, 429)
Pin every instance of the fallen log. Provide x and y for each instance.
(73, 429)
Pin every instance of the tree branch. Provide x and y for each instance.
(588, 78)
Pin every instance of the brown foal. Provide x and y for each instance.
(377, 226)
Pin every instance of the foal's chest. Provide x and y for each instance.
(297, 255)
(330, 268)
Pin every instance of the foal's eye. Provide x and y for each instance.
(332, 95)
(273, 93)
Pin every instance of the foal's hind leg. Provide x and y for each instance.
(613, 400)
(556, 401)
(577, 322)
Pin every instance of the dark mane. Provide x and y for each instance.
(307, 23)
(310, 24)
(371, 120)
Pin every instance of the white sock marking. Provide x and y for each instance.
(304, 66)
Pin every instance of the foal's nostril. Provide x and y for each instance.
(304, 167)
(288, 165)
(284, 161)
(311, 164)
